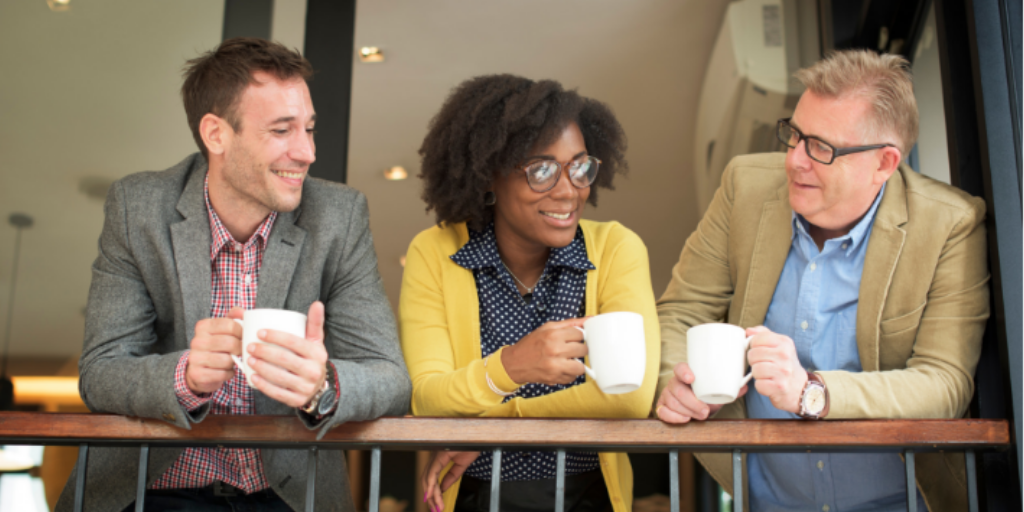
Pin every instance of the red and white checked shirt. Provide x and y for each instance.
(235, 272)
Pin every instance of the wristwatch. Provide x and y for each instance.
(814, 399)
(323, 401)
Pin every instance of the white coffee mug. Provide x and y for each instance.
(617, 351)
(254, 320)
(717, 355)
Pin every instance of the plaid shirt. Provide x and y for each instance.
(235, 272)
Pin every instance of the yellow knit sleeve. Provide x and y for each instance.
(440, 388)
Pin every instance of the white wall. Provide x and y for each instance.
(88, 92)
(645, 58)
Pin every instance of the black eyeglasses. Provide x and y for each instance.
(542, 175)
(817, 149)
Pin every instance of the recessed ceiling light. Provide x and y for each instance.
(59, 5)
(371, 54)
(396, 173)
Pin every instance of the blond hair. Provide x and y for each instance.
(883, 80)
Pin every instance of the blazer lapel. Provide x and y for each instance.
(191, 241)
(279, 261)
(774, 238)
(884, 248)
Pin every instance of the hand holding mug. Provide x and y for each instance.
(290, 368)
(547, 355)
(777, 369)
(209, 360)
(678, 403)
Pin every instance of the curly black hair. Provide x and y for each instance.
(489, 123)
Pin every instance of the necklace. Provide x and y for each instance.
(529, 289)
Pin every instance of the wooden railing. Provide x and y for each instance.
(735, 436)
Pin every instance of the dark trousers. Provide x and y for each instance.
(585, 492)
(211, 498)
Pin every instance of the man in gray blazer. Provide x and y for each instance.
(186, 250)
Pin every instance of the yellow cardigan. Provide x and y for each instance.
(439, 316)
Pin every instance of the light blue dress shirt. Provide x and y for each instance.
(815, 304)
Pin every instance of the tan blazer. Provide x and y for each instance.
(920, 317)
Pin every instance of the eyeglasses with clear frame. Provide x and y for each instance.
(817, 149)
(543, 175)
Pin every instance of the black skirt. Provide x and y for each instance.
(585, 492)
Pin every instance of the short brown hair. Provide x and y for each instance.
(215, 80)
(884, 80)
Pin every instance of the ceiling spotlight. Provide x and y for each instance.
(371, 54)
(396, 173)
(59, 5)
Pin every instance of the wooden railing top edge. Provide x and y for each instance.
(42, 428)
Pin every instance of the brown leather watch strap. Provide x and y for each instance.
(811, 376)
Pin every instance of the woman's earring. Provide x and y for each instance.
(489, 198)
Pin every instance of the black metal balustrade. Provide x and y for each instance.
(735, 436)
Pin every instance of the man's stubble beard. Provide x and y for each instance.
(251, 181)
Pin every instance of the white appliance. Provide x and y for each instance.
(749, 83)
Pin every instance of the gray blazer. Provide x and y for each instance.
(151, 284)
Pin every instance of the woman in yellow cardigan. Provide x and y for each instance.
(491, 296)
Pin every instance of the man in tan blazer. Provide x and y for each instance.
(863, 284)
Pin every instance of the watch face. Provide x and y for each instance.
(814, 400)
(327, 401)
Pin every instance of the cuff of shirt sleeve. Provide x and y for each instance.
(189, 400)
(497, 372)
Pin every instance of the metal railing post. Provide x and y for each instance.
(560, 482)
(737, 480)
(311, 461)
(375, 480)
(972, 481)
(496, 480)
(908, 461)
(83, 456)
(140, 491)
(673, 478)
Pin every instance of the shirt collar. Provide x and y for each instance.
(481, 251)
(220, 235)
(856, 235)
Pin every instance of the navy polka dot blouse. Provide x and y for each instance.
(506, 317)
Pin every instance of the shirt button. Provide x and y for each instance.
(824, 508)
(813, 267)
(248, 279)
(803, 325)
(239, 402)
(844, 246)
(238, 247)
(821, 467)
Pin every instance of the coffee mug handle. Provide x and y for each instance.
(590, 373)
(238, 360)
(746, 379)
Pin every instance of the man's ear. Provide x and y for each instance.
(888, 162)
(216, 133)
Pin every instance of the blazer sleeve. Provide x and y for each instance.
(121, 369)
(701, 288)
(359, 330)
(624, 284)
(439, 388)
(938, 381)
